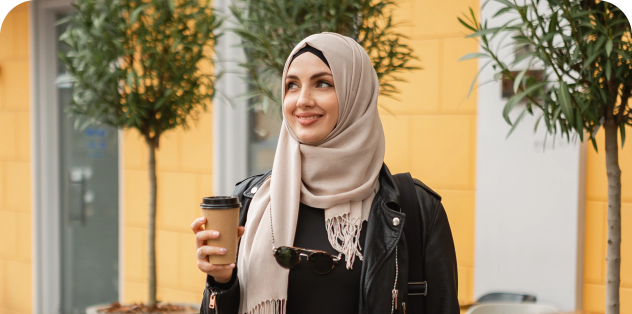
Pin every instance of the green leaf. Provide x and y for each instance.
(602, 93)
(484, 31)
(565, 101)
(130, 103)
(581, 13)
(466, 25)
(600, 41)
(537, 122)
(160, 102)
(473, 55)
(595, 130)
(547, 118)
(575, 53)
(548, 38)
(172, 5)
(592, 55)
(502, 11)
(63, 20)
(475, 77)
(473, 15)
(513, 127)
(609, 45)
(553, 23)
(130, 79)
(515, 99)
(507, 3)
(504, 27)
(582, 104)
(594, 143)
(608, 69)
(579, 125)
(522, 57)
(518, 79)
(135, 14)
(556, 115)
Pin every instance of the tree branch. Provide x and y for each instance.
(539, 47)
(574, 31)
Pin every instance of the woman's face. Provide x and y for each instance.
(310, 104)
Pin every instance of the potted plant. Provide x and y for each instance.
(584, 49)
(134, 65)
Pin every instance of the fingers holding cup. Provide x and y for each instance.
(222, 218)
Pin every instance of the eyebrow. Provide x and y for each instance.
(319, 74)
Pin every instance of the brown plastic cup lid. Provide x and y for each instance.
(220, 202)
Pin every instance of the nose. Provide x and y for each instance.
(305, 99)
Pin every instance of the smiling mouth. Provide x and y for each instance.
(309, 118)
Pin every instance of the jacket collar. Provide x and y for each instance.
(388, 189)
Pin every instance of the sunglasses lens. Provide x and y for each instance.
(286, 257)
(321, 263)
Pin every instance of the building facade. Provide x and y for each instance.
(453, 143)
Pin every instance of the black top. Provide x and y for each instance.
(332, 293)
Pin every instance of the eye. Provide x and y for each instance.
(323, 84)
(291, 85)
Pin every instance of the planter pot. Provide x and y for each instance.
(193, 309)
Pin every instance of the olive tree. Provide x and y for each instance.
(134, 65)
(269, 30)
(584, 48)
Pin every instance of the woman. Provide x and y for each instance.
(329, 190)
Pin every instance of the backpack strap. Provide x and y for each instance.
(413, 229)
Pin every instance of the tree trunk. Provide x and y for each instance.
(151, 266)
(613, 256)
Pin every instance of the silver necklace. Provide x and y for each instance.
(271, 229)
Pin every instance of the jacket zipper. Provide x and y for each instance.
(212, 301)
(394, 291)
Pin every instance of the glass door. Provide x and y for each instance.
(263, 136)
(89, 218)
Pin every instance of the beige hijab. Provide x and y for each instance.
(339, 174)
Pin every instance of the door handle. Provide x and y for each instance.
(75, 195)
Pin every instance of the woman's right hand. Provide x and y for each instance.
(221, 273)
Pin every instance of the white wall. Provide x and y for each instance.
(529, 205)
(230, 137)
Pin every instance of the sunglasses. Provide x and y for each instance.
(319, 262)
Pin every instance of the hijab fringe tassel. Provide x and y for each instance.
(270, 307)
(344, 237)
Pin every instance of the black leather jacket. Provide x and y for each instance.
(378, 268)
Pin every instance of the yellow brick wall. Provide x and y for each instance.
(15, 167)
(596, 227)
(432, 131)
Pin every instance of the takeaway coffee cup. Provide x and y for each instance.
(222, 214)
